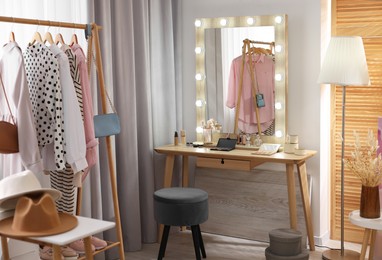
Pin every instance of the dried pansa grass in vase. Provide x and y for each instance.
(364, 162)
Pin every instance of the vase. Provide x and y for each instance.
(207, 135)
(370, 207)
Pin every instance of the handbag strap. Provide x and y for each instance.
(107, 94)
(6, 98)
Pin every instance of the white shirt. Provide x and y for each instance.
(74, 134)
(13, 74)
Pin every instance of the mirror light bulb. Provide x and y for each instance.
(198, 76)
(279, 133)
(223, 22)
(278, 105)
(199, 129)
(250, 21)
(278, 77)
(198, 50)
(198, 23)
(278, 19)
(199, 103)
(278, 48)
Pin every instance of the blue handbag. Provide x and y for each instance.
(107, 124)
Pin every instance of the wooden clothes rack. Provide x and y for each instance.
(247, 50)
(92, 31)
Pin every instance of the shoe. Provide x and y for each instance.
(68, 253)
(46, 253)
(98, 243)
(79, 246)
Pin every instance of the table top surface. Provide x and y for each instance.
(238, 154)
(370, 223)
(86, 227)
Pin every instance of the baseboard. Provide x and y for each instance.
(321, 240)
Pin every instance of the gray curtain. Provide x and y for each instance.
(140, 45)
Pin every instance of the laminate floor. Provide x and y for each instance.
(218, 247)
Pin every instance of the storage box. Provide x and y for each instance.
(285, 242)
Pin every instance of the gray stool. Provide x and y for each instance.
(285, 244)
(181, 207)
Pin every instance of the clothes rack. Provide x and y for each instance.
(247, 51)
(93, 36)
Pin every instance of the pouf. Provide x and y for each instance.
(304, 255)
(178, 206)
(285, 242)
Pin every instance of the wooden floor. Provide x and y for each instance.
(218, 247)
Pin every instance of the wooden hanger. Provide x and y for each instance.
(36, 38)
(12, 37)
(258, 50)
(74, 40)
(59, 39)
(48, 38)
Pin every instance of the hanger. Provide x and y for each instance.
(258, 50)
(36, 38)
(48, 38)
(12, 37)
(74, 40)
(59, 39)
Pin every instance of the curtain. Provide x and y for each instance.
(140, 45)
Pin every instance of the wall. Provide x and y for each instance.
(304, 45)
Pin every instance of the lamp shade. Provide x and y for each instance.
(345, 62)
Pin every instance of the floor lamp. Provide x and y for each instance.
(344, 65)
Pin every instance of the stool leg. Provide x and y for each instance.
(195, 237)
(163, 243)
(201, 242)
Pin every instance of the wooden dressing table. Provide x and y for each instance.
(245, 160)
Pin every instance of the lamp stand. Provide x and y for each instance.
(336, 254)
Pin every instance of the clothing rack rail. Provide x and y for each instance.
(91, 30)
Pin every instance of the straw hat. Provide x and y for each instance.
(19, 184)
(37, 215)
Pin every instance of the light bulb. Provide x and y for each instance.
(278, 105)
(198, 50)
(199, 76)
(250, 21)
(279, 133)
(200, 103)
(278, 48)
(198, 23)
(278, 19)
(199, 129)
(223, 22)
(278, 77)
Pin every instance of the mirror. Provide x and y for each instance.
(218, 42)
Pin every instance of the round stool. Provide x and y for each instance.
(181, 207)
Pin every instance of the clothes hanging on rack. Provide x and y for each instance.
(91, 141)
(14, 77)
(264, 70)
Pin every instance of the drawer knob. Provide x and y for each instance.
(222, 161)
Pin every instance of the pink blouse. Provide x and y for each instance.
(264, 73)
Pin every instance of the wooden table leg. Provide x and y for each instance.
(185, 174)
(4, 247)
(291, 196)
(56, 252)
(168, 170)
(372, 243)
(88, 248)
(365, 242)
(303, 179)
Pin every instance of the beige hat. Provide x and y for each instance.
(19, 184)
(37, 215)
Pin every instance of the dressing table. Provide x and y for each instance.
(246, 160)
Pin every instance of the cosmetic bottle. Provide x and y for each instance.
(176, 139)
(183, 136)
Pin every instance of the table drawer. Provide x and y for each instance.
(217, 163)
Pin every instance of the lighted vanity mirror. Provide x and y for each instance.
(218, 42)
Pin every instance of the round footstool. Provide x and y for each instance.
(181, 207)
